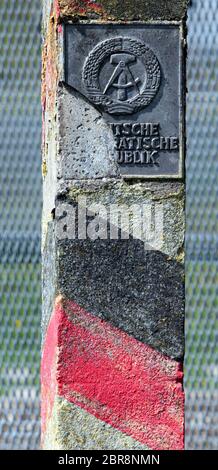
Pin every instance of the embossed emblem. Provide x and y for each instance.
(122, 75)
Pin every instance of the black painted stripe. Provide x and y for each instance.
(138, 291)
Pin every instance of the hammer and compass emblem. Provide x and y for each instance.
(124, 75)
(127, 90)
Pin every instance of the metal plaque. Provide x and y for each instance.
(133, 75)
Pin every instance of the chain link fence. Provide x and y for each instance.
(201, 241)
(20, 214)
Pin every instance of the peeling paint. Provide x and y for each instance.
(49, 66)
(115, 10)
(115, 378)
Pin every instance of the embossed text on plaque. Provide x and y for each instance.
(133, 75)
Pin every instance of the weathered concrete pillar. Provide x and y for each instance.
(113, 92)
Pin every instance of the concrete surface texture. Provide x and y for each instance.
(113, 307)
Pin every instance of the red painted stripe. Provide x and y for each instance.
(118, 379)
(49, 370)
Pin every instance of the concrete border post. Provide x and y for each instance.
(113, 103)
